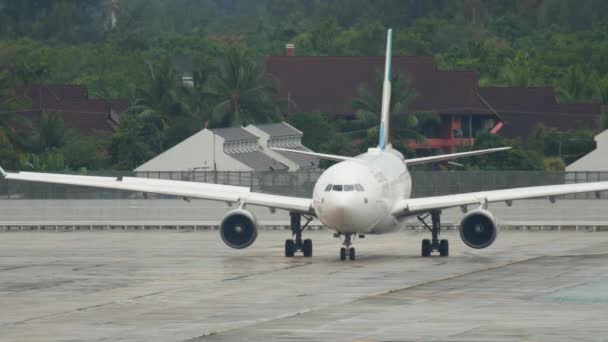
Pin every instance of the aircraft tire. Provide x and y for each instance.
(426, 247)
(342, 253)
(307, 248)
(351, 254)
(290, 248)
(444, 248)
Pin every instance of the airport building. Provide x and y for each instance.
(234, 149)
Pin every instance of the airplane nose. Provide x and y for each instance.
(340, 212)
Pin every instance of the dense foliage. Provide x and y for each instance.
(561, 43)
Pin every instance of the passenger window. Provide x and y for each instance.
(328, 187)
(349, 187)
(359, 187)
(337, 187)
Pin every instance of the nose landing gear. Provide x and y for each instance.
(298, 245)
(347, 250)
(434, 245)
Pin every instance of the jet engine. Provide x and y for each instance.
(239, 229)
(478, 229)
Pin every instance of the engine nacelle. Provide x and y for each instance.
(239, 229)
(478, 229)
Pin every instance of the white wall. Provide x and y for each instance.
(195, 153)
(596, 160)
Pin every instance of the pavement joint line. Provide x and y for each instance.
(373, 295)
(144, 296)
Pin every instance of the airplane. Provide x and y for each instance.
(366, 194)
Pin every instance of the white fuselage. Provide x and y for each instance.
(362, 192)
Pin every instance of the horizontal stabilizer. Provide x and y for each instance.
(314, 154)
(432, 159)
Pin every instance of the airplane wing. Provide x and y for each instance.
(413, 206)
(314, 154)
(187, 190)
(442, 157)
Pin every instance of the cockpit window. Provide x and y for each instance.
(328, 187)
(359, 187)
(349, 187)
(337, 187)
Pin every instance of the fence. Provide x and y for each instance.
(425, 183)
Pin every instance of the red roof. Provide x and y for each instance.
(77, 110)
(39, 93)
(525, 108)
(328, 84)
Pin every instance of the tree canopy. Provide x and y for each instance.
(559, 43)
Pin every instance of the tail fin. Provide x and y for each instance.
(386, 94)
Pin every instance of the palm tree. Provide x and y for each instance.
(403, 125)
(518, 71)
(242, 93)
(163, 94)
(578, 84)
(163, 104)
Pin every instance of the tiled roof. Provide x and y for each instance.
(523, 109)
(42, 93)
(521, 125)
(258, 161)
(521, 99)
(77, 110)
(281, 129)
(233, 133)
(328, 84)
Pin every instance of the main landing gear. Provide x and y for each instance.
(347, 250)
(298, 245)
(434, 245)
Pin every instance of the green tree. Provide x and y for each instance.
(519, 71)
(10, 120)
(52, 132)
(514, 159)
(242, 92)
(317, 129)
(578, 84)
(138, 140)
(403, 124)
(163, 103)
(85, 152)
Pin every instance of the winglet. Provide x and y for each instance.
(2, 172)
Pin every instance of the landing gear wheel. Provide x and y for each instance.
(342, 253)
(307, 248)
(351, 254)
(426, 247)
(290, 248)
(434, 245)
(444, 248)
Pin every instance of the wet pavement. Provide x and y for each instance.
(188, 286)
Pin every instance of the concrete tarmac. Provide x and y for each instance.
(188, 286)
